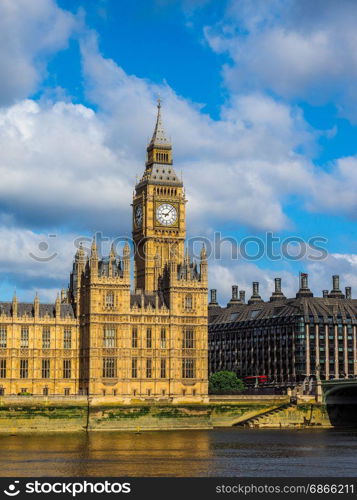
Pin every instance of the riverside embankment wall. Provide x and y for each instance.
(29, 414)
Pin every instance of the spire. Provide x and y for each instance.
(159, 137)
(94, 253)
(112, 254)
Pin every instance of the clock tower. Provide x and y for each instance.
(158, 213)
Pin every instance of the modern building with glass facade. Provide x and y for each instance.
(290, 340)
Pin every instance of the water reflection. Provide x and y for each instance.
(221, 452)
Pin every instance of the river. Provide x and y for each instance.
(220, 452)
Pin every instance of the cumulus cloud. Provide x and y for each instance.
(297, 49)
(29, 33)
(226, 273)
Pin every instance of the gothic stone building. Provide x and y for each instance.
(99, 337)
(290, 341)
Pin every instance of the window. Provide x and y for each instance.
(46, 337)
(109, 336)
(45, 391)
(188, 301)
(2, 391)
(148, 338)
(24, 368)
(188, 368)
(45, 368)
(148, 368)
(109, 367)
(163, 338)
(67, 366)
(2, 368)
(24, 343)
(134, 368)
(163, 368)
(188, 339)
(67, 338)
(109, 299)
(134, 338)
(67, 391)
(3, 337)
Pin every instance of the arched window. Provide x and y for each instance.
(109, 299)
(188, 301)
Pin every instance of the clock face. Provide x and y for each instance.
(166, 214)
(139, 215)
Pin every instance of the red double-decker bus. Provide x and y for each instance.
(256, 379)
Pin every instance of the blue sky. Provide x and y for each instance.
(258, 98)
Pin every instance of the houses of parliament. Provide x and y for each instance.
(103, 337)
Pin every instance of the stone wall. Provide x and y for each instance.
(29, 414)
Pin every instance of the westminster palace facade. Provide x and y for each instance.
(103, 337)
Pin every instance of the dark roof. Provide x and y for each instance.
(27, 309)
(318, 308)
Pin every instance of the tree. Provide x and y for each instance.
(225, 383)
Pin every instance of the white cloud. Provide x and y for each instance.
(30, 31)
(297, 49)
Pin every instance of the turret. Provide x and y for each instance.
(36, 306)
(203, 265)
(14, 306)
(348, 292)
(126, 262)
(242, 296)
(94, 260)
(58, 306)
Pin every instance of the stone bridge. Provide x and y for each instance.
(340, 398)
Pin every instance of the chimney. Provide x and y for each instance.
(348, 292)
(304, 290)
(242, 296)
(336, 292)
(277, 294)
(213, 301)
(234, 300)
(325, 294)
(255, 296)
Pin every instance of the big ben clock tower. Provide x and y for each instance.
(158, 212)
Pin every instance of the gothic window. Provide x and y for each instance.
(134, 368)
(163, 338)
(188, 301)
(67, 338)
(24, 368)
(109, 336)
(46, 337)
(24, 343)
(188, 338)
(3, 336)
(163, 368)
(2, 368)
(67, 368)
(148, 338)
(134, 338)
(188, 368)
(109, 299)
(148, 368)
(45, 368)
(109, 367)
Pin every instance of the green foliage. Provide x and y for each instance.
(225, 383)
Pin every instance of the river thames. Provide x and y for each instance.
(220, 452)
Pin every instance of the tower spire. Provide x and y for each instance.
(159, 136)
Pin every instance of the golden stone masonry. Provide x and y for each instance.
(100, 338)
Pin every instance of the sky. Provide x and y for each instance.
(260, 102)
